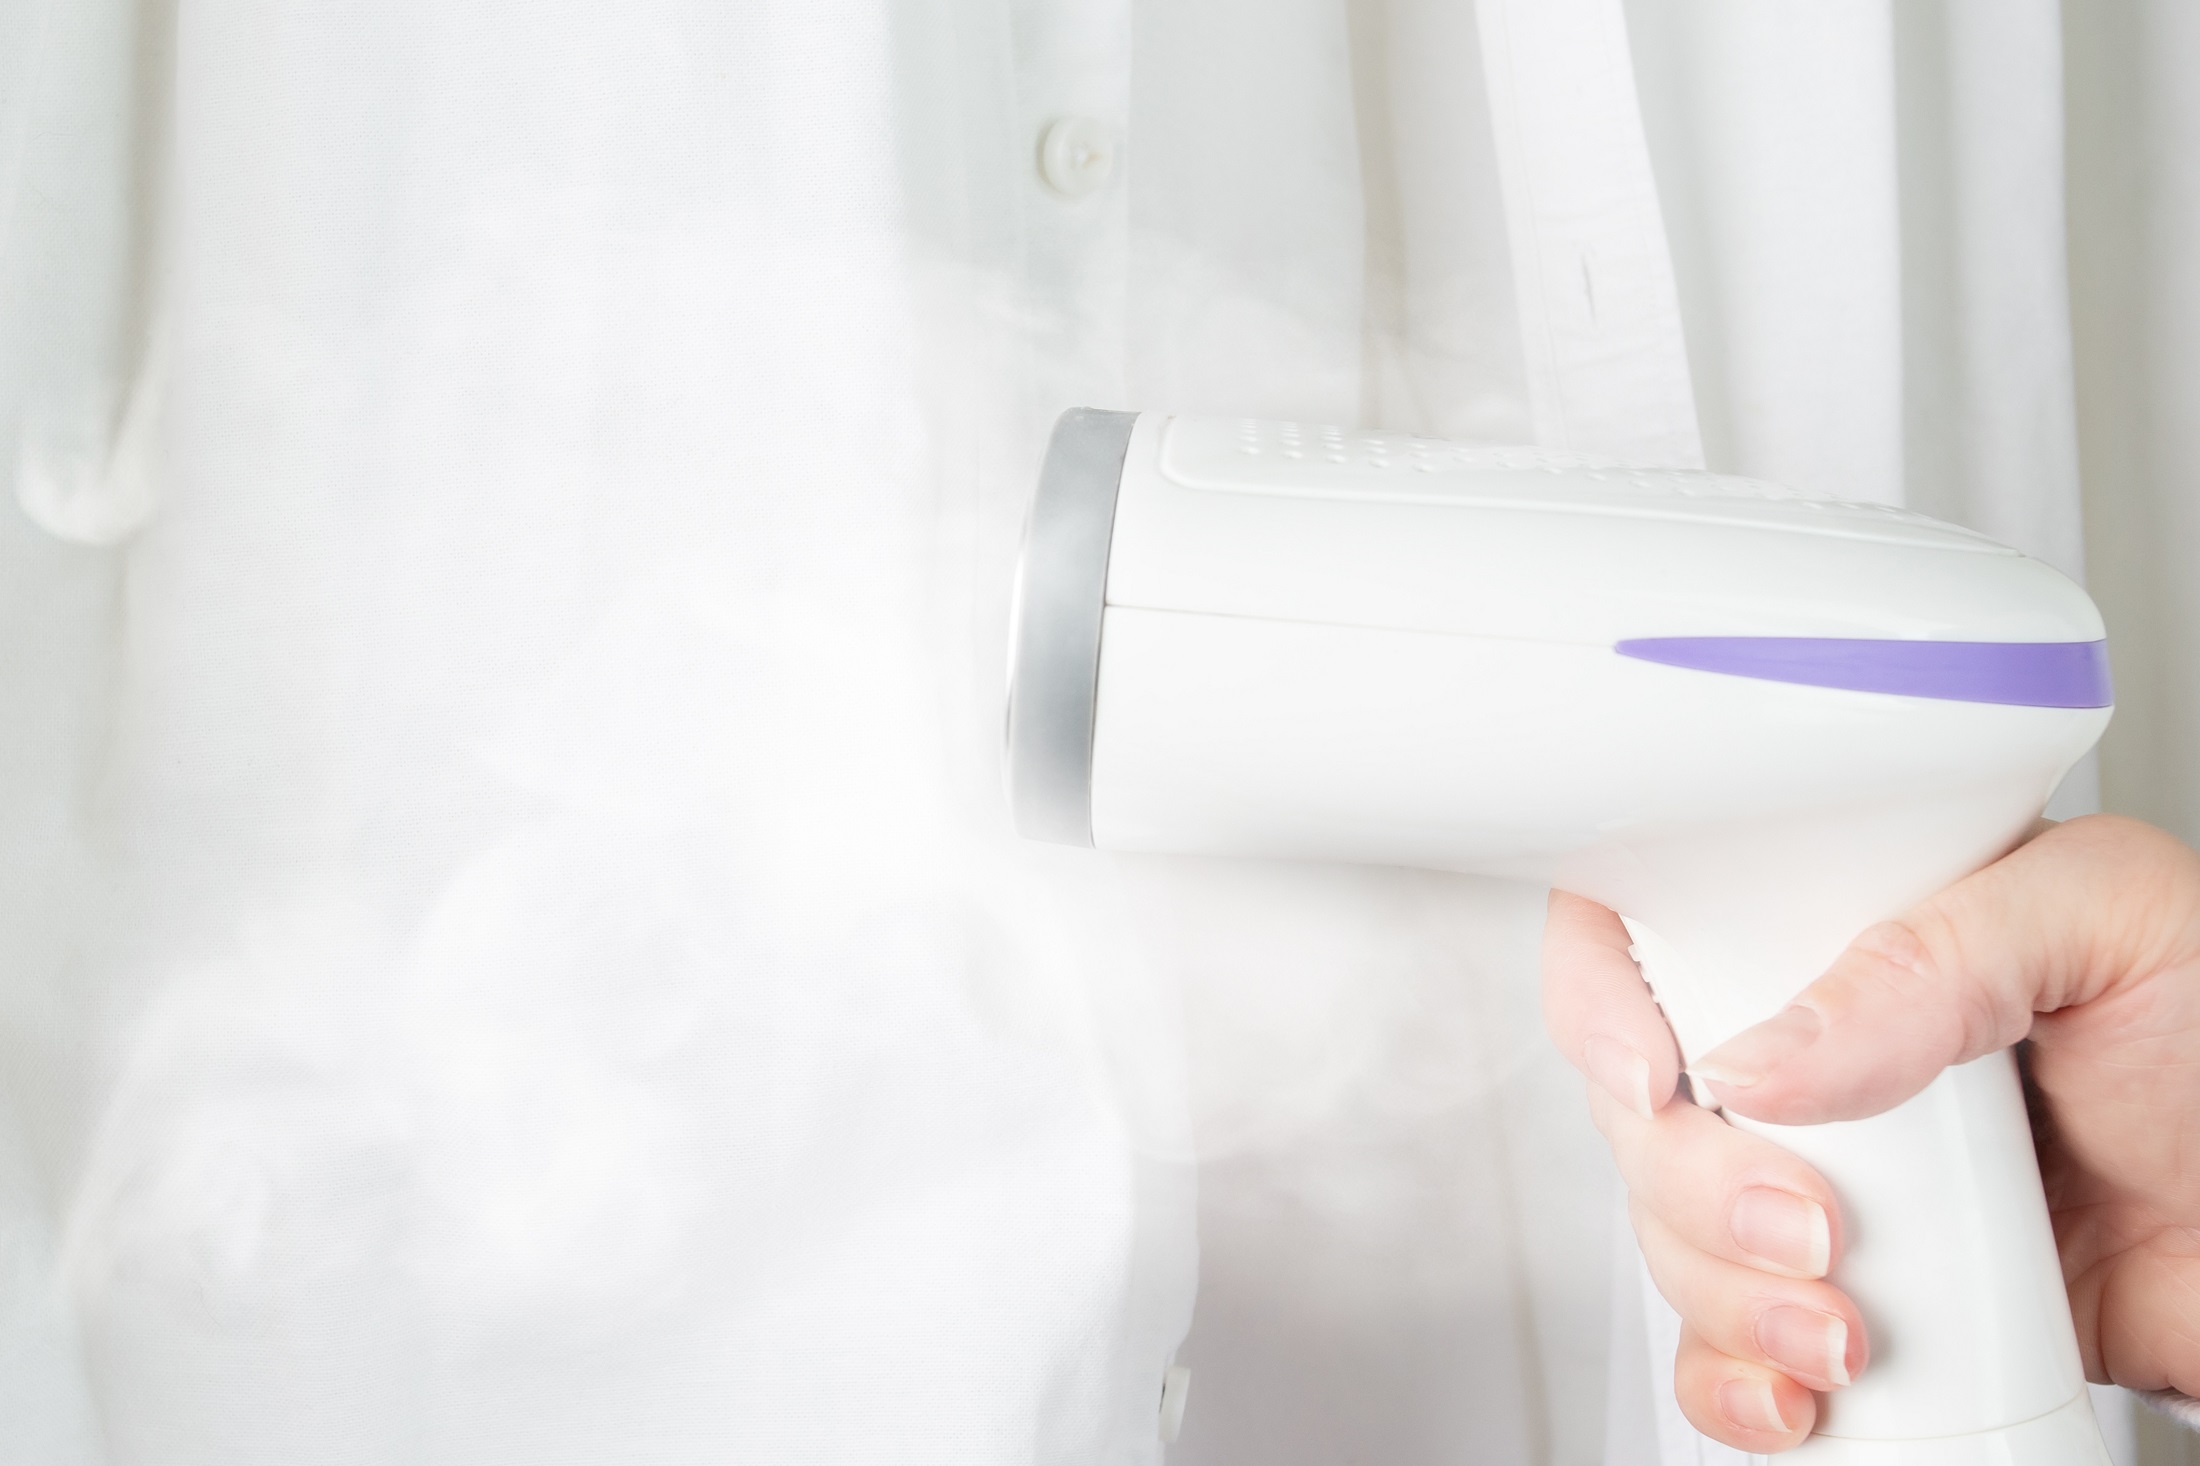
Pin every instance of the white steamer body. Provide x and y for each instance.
(1262, 639)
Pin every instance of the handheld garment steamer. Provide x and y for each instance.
(1752, 722)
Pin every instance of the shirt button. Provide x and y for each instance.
(1076, 156)
(1176, 1388)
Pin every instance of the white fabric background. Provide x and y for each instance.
(532, 993)
(511, 948)
(2134, 232)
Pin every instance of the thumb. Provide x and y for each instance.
(2090, 906)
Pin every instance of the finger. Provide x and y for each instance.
(1599, 1010)
(1751, 1407)
(1723, 1191)
(2137, 1316)
(2087, 907)
(1806, 1329)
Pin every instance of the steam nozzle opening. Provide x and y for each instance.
(1054, 632)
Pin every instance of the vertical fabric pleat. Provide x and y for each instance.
(2132, 162)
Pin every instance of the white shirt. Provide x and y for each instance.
(516, 951)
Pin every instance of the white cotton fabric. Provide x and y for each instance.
(511, 947)
(2134, 229)
(522, 959)
(535, 987)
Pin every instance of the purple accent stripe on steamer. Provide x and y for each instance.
(2035, 674)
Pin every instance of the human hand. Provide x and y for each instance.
(2087, 941)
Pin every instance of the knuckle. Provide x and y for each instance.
(1898, 956)
(1916, 965)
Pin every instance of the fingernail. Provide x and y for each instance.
(1750, 1055)
(1789, 1231)
(1806, 1343)
(1619, 1071)
(1750, 1405)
